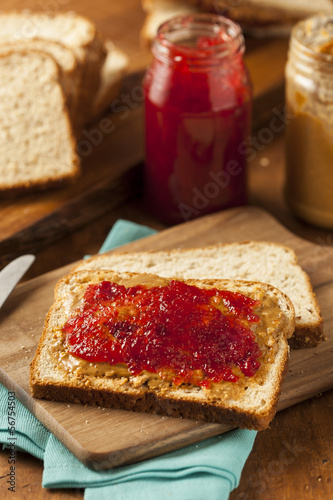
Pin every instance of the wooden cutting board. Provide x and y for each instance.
(111, 172)
(102, 438)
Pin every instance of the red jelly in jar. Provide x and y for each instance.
(197, 114)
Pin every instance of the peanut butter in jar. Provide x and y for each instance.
(309, 134)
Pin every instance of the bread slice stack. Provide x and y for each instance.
(250, 401)
(82, 77)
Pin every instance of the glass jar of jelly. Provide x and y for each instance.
(309, 131)
(197, 118)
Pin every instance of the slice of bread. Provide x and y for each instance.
(255, 261)
(68, 28)
(36, 140)
(64, 57)
(248, 402)
(112, 75)
(160, 13)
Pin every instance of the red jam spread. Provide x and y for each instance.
(180, 332)
(197, 116)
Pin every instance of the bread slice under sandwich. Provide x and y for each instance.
(36, 140)
(249, 402)
(255, 261)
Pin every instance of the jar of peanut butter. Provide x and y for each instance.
(309, 131)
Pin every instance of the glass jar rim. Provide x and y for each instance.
(169, 33)
(312, 33)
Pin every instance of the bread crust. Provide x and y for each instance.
(52, 382)
(154, 403)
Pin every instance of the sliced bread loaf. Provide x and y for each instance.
(254, 261)
(117, 304)
(36, 140)
(71, 30)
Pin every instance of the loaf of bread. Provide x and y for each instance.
(255, 261)
(69, 29)
(98, 313)
(89, 73)
(32, 99)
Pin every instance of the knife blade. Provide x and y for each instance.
(11, 275)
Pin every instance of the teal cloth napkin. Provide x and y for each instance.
(210, 469)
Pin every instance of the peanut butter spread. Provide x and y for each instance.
(309, 132)
(309, 154)
(327, 48)
(266, 331)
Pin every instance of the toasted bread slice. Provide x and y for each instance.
(250, 401)
(262, 261)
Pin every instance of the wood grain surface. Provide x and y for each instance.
(89, 432)
(111, 171)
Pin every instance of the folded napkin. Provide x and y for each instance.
(209, 469)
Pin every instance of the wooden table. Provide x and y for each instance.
(294, 458)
